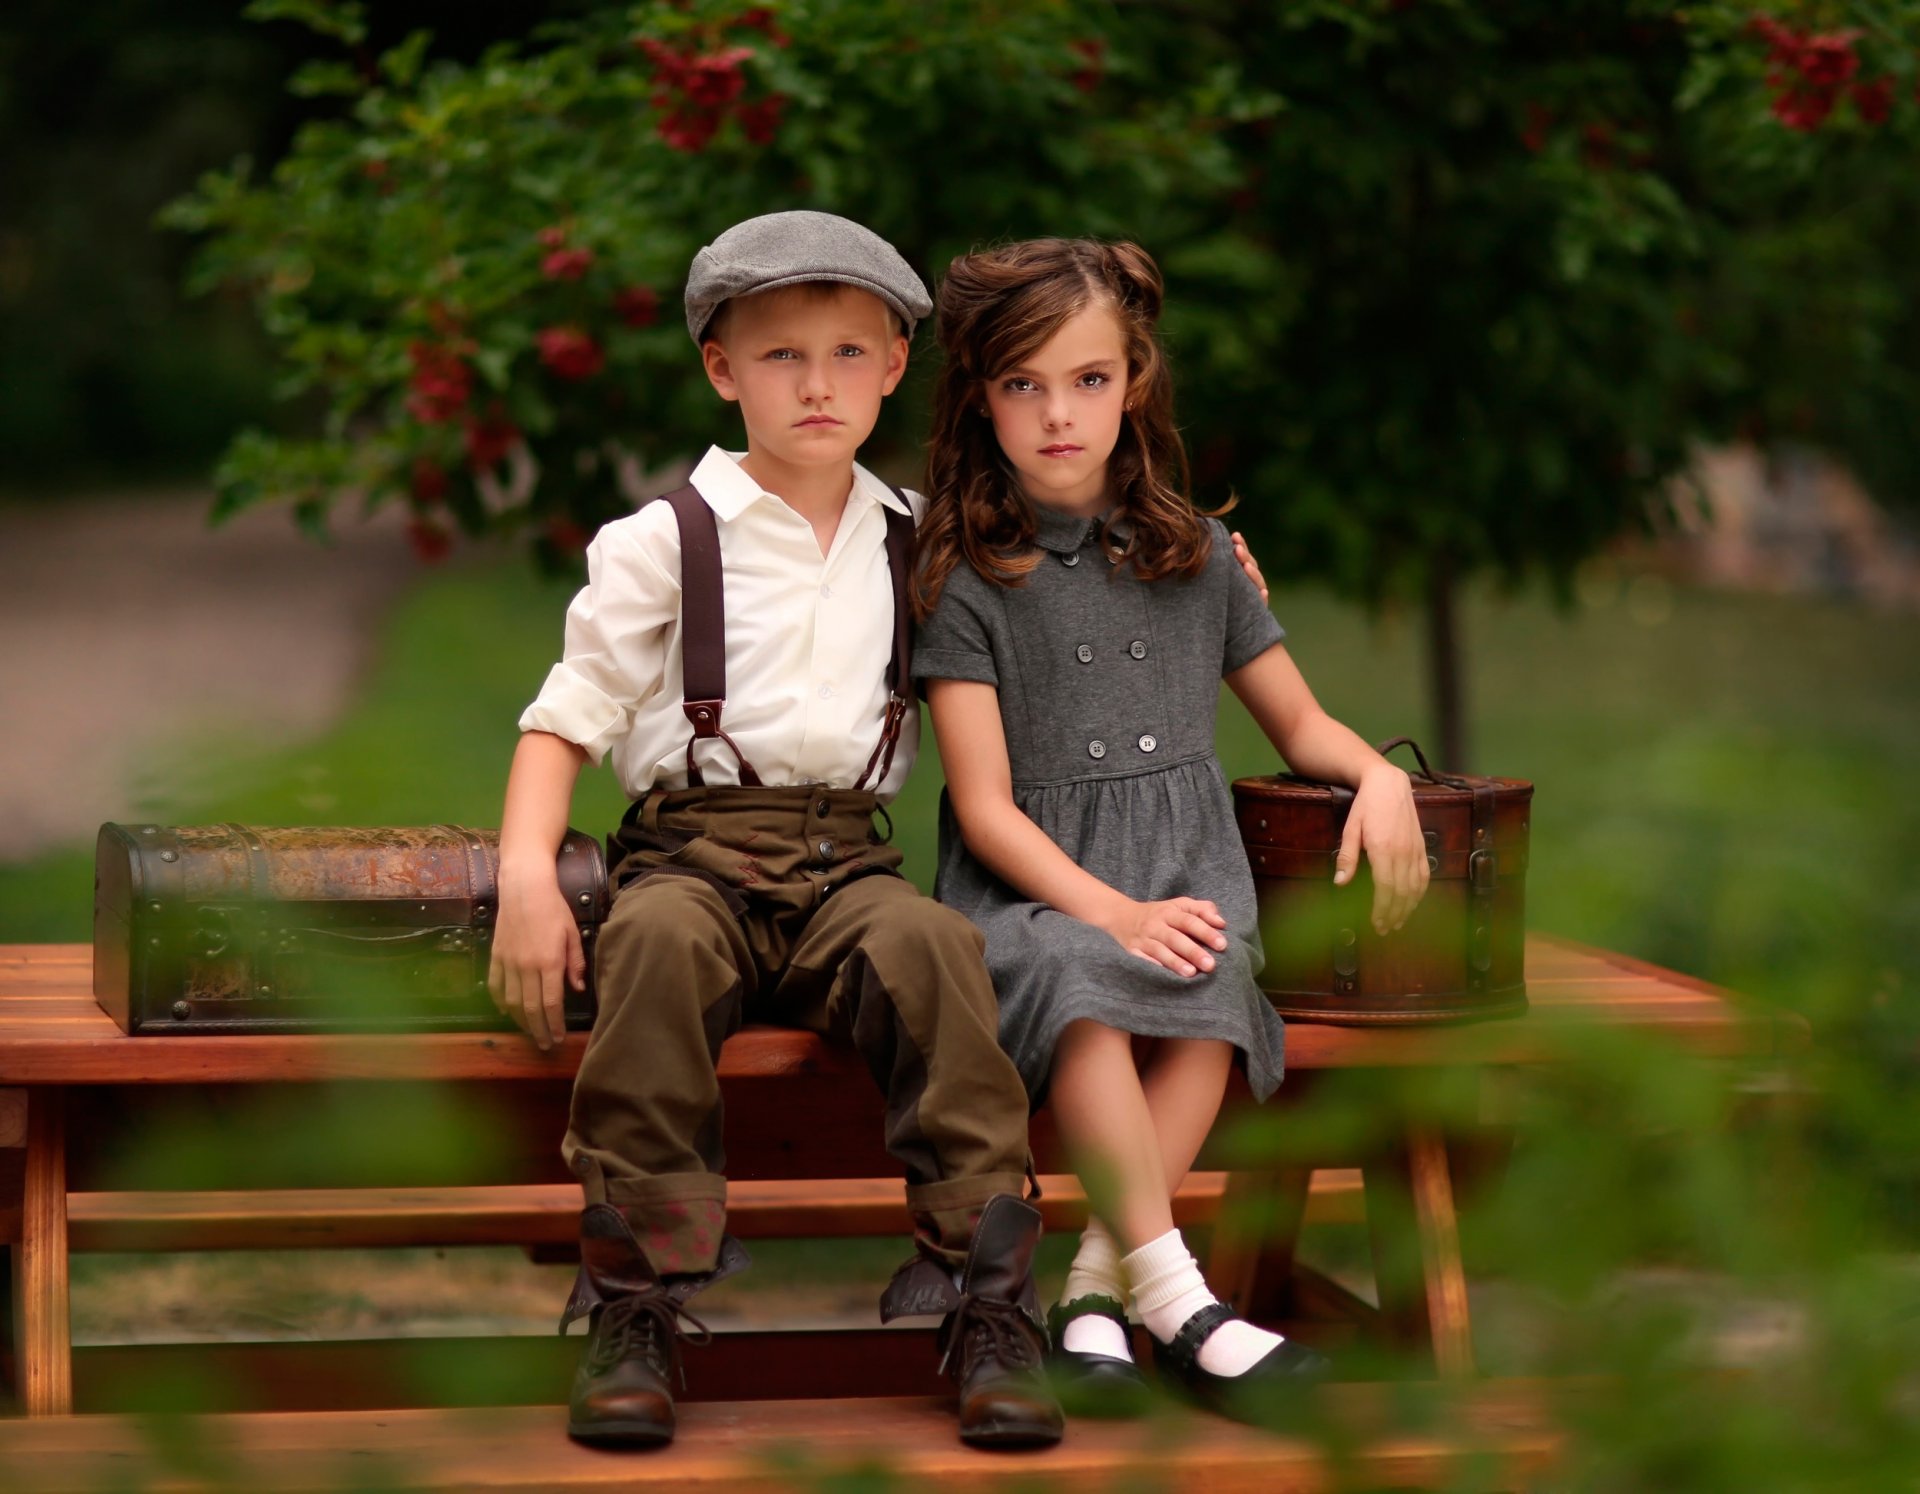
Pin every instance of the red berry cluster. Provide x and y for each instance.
(438, 394)
(566, 264)
(570, 352)
(431, 542)
(1092, 52)
(562, 261)
(637, 305)
(428, 483)
(490, 438)
(1809, 73)
(440, 385)
(697, 90)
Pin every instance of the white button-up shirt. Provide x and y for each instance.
(808, 641)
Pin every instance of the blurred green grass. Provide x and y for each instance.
(1724, 780)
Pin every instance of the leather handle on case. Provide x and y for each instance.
(1450, 780)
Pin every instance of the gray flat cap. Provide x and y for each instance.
(779, 249)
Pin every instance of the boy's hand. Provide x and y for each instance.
(1384, 823)
(536, 956)
(1177, 933)
(1248, 564)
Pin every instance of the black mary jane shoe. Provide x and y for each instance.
(1244, 1396)
(1093, 1385)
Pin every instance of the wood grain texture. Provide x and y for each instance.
(1501, 1435)
(549, 1213)
(51, 1033)
(1439, 1229)
(44, 1348)
(13, 1117)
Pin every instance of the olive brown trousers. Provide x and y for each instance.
(782, 906)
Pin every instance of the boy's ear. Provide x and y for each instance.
(713, 357)
(896, 365)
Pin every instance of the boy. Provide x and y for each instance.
(764, 607)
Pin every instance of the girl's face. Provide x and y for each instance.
(1057, 415)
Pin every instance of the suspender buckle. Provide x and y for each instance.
(882, 759)
(705, 716)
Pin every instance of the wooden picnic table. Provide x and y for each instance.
(804, 1126)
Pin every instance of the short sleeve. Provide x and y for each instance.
(1251, 629)
(615, 634)
(956, 642)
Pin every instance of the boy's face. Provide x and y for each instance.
(1058, 415)
(808, 368)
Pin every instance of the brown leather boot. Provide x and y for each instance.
(993, 1342)
(623, 1390)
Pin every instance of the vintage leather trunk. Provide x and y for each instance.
(1460, 954)
(234, 928)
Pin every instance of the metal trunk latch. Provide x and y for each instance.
(1346, 961)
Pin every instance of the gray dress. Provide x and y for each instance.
(1108, 691)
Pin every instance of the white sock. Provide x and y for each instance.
(1168, 1289)
(1095, 1272)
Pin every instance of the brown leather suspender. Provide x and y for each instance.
(703, 629)
(900, 568)
(703, 635)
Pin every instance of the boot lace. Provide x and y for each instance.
(990, 1328)
(647, 1324)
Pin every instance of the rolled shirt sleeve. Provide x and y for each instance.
(616, 634)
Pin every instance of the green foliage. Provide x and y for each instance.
(478, 268)
(1661, 1219)
(1451, 286)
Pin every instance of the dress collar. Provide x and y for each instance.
(1065, 533)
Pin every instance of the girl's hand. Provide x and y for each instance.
(1177, 933)
(1384, 824)
(536, 955)
(1247, 563)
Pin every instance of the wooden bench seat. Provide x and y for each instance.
(803, 1124)
(548, 1214)
(1498, 1433)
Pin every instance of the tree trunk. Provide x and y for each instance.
(1443, 668)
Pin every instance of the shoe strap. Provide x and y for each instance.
(1185, 1348)
(1091, 1305)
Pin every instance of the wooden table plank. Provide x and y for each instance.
(549, 1213)
(51, 1033)
(1498, 1431)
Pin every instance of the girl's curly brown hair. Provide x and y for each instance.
(996, 308)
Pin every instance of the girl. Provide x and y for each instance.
(1077, 614)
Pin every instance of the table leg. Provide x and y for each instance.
(42, 1339)
(1250, 1263)
(1425, 1297)
(1446, 1279)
